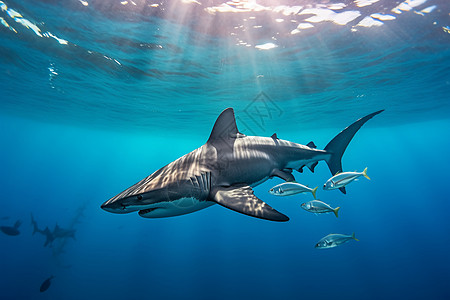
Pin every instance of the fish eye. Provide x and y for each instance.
(271, 190)
(139, 197)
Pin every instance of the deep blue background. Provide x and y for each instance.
(400, 216)
(135, 89)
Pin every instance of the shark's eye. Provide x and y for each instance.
(139, 197)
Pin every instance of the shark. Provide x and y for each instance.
(225, 170)
(51, 236)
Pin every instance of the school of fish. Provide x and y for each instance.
(316, 206)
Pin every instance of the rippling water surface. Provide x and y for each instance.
(135, 64)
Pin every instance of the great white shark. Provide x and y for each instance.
(224, 171)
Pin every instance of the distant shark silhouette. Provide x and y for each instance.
(51, 236)
(11, 230)
(225, 169)
(46, 284)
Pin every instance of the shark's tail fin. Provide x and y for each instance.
(336, 147)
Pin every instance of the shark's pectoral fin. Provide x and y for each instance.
(285, 175)
(240, 198)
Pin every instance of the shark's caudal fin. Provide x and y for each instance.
(340, 142)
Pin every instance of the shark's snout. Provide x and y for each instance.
(115, 207)
(120, 204)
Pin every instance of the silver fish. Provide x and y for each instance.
(334, 240)
(340, 180)
(319, 207)
(291, 188)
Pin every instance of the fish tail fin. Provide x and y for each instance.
(17, 224)
(336, 147)
(336, 211)
(353, 237)
(365, 173)
(34, 223)
(314, 190)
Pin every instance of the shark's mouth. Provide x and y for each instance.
(146, 211)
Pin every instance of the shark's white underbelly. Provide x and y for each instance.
(175, 208)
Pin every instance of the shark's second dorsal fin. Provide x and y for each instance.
(225, 126)
(311, 145)
(274, 136)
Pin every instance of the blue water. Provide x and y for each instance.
(96, 95)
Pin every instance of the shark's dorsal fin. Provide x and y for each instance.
(311, 145)
(240, 198)
(274, 136)
(225, 126)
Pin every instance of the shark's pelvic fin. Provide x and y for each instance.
(240, 198)
(286, 176)
(339, 143)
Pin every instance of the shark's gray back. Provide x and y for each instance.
(189, 171)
